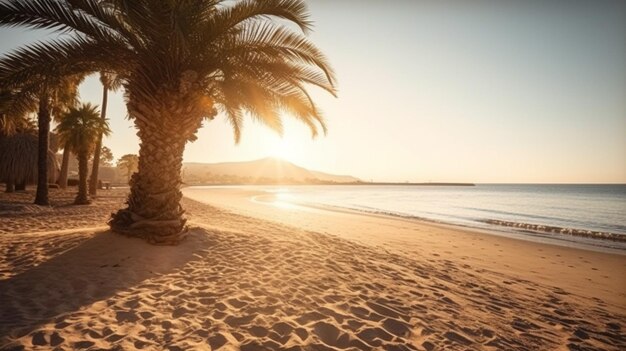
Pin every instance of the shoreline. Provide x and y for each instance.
(547, 262)
(599, 243)
(557, 231)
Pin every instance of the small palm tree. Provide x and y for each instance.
(129, 164)
(79, 129)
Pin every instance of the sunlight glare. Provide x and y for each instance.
(282, 149)
(283, 199)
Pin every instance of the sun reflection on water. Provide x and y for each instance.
(283, 199)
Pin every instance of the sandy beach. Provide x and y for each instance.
(254, 275)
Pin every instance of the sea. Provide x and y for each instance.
(589, 214)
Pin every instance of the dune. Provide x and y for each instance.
(243, 282)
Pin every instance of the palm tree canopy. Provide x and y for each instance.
(111, 81)
(215, 55)
(64, 95)
(130, 162)
(15, 108)
(17, 103)
(80, 128)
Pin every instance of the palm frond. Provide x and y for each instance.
(15, 105)
(201, 54)
(111, 81)
(235, 118)
(265, 39)
(56, 58)
(230, 17)
(65, 94)
(81, 127)
(58, 16)
(249, 96)
(108, 13)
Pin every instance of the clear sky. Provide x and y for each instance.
(476, 91)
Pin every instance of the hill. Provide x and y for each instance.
(264, 171)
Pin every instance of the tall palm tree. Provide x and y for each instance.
(17, 131)
(181, 62)
(66, 96)
(49, 95)
(16, 136)
(109, 82)
(55, 92)
(79, 129)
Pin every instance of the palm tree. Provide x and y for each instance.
(17, 131)
(106, 156)
(16, 139)
(180, 62)
(109, 82)
(79, 129)
(65, 95)
(48, 96)
(129, 163)
(55, 93)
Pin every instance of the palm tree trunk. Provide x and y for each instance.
(65, 167)
(43, 123)
(93, 182)
(154, 212)
(21, 186)
(10, 186)
(82, 197)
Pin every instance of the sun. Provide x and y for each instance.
(281, 148)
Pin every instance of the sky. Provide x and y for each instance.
(446, 91)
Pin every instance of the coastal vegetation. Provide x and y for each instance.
(80, 130)
(19, 142)
(180, 63)
(110, 82)
(128, 164)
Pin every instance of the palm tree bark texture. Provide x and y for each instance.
(83, 169)
(43, 123)
(154, 211)
(95, 168)
(65, 165)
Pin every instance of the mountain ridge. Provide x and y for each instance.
(264, 170)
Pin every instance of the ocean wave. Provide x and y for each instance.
(540, 228)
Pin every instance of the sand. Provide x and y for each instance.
(254, 277)
(584, 272)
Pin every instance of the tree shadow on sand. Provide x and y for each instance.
(92, 270)
(270, 287)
